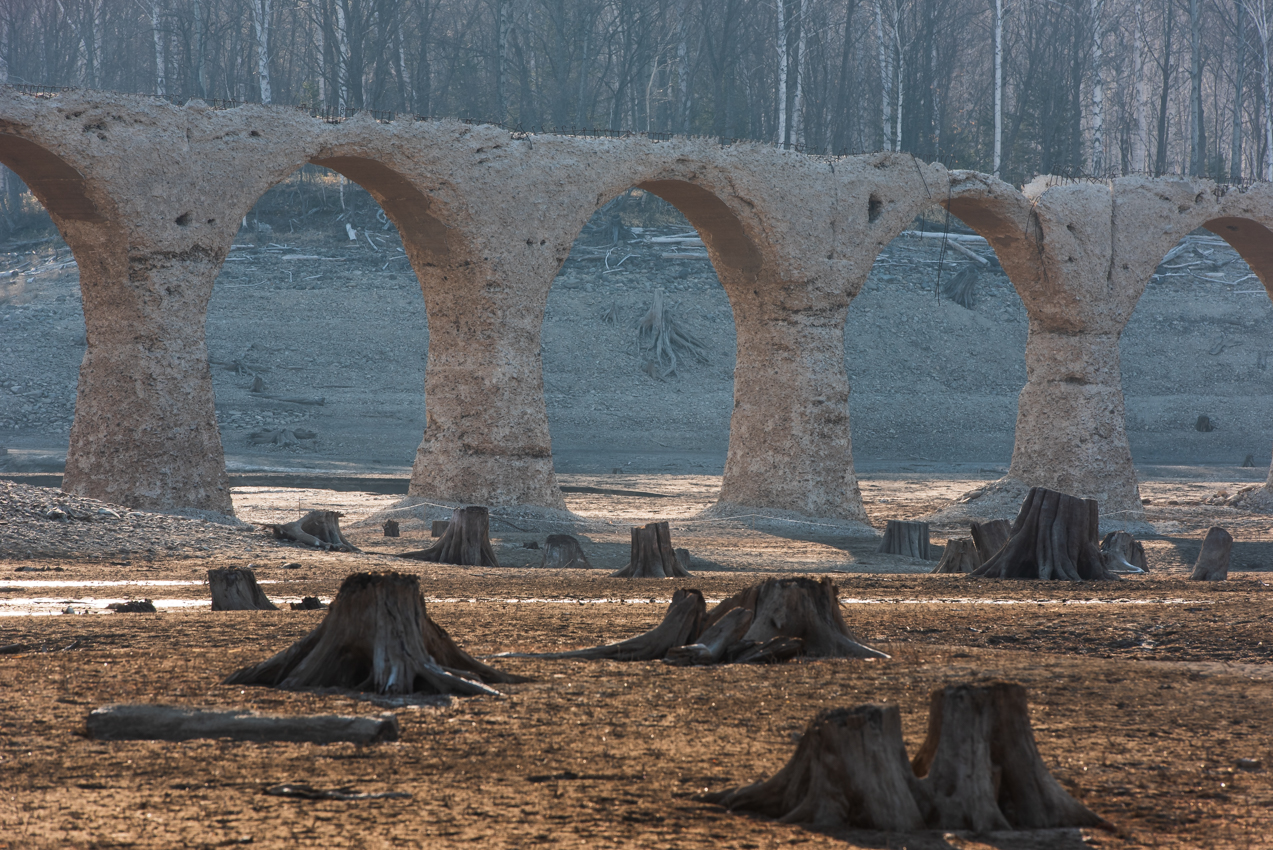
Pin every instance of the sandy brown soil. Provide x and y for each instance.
(1145, 693)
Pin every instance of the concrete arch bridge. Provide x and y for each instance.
(149, 197)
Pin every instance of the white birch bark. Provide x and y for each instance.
(1239, 74)
(342, 58)
(797, 102)
(261, 12)
(161, 61)
(683, 65)
(1259, 16)
(899, 58)
(1140, 139)
(782, 73)
(1098, 89)
(886, 74)
(998, 23)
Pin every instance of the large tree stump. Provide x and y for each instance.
(714, 642)
(652, 554)
(1053, 537)
(989, 537)
(961, 556)
(1123, 553)
(682, 624)
(376, 637)
(235, 589)
(981, 768)
(320, 529)
(1213, 560)
(466, 541)
(905, 538)
(787, 609)
(561, 551)
(849, 770)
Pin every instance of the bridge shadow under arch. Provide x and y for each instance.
(57, 185)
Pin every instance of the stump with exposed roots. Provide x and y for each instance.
(990, 536)
(960, 556)
(561, 551)
(979, 769)
(1213, 560)
(1123, 553)
(1053, 537)
(235, 589)
(773, 621)
(652, 554)
(466, 541)
(320, 529)
(376, 637)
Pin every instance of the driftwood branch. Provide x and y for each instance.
(178, 723)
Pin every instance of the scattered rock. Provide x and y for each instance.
(133, 606)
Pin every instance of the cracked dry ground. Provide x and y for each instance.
(1144, 695)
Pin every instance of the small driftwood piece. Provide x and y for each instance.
(466, 541)
(178, 723)
(990, 536)
(235, 589)
(979, 769)
(1213, 560)
(652, 554)
(561, 551)
(320, 529)
(961, 556)
(1123, 553)
(376, 637)
(1053, 537)
(682, 624)
(905, 538)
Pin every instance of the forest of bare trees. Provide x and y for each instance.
(1017, 87)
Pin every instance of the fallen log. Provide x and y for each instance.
(1213, 560)
(979, 769)
(1053, 537)
(135, 722)
(466, 541)
(905, 538)
(320, 529)
(652, 554)
(961, 556)
(1123, 553)
(561, 551)
(235, 589)
(376, 637)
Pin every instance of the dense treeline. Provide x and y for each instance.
(1095, 87)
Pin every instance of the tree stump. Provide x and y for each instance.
(376, 637)
(714, 642)
(682, 624)
(320, 529)
(978, 769)
(1213, 560)
(466, 541)
(961, 556)
(849, 770)
(235, 589)
(561, 551)
(981, 769)
(1123, 553)
(1053, 537)
(989, 537)
(391, 528)
(652, 554)
(438, 527)
(905, 538)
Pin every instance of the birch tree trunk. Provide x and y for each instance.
(342, 57)
(1140, 138)
(682, 66)
(1197, 156)
(504, 24)
(899, 57)
(797, 103)
(886, 75)
(156, 13)
(320, 45)
(1098, 90)
(782, 74)
(998, 47)
(1239, 79)
(261, 16)
(1258, 10)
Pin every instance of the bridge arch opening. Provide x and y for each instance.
(1197, 357)
(638, 342)
(41, 323)
(317, 331)
(934, 350)
(58, 186)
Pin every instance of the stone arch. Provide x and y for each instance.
(1253, 240)
(60, 187)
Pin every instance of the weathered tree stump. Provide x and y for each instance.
(179, 723)
(391, 528)
(1053, 537)
(1213, 560)
(466, 541)
(989, 537)
(438, 527)
(1123, 553)
(235, 589)
(961, 556)
(962, 286)
(905, 538)
(320, 529)
(682, 624)
(652, 554)
(981, 768)
(714, 642)
(376, 637)
(849, 770)
(561, 551)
